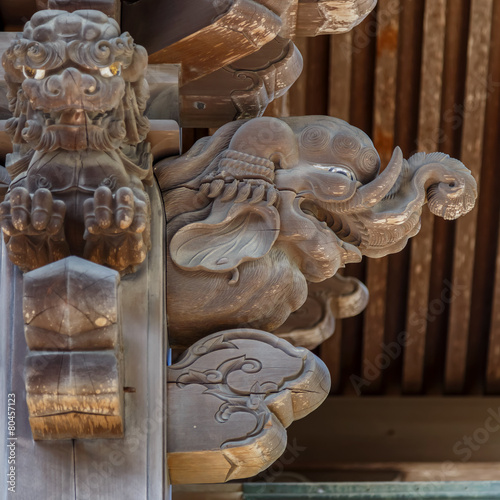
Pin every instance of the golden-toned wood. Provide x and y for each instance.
(230, 398)
(421, 248)
(340, 75)
(319, 17)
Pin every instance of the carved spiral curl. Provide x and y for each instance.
(450, 200)
(36, 55)
(103, 53)
(314, 138)
(368, 162)
(345, 146)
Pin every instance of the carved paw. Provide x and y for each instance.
(117, 228)
(33, 227)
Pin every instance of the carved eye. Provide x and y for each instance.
(37, 74)
(338, 170)
(114, 69)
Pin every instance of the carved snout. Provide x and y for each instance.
(444, 182)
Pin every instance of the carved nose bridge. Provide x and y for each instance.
(71, 84)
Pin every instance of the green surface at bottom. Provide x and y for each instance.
(486, 490)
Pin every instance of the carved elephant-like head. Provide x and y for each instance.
(311, 186)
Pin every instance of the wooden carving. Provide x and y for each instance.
(242, 89)
(314, 322)
(77, 92)
(230, 398)
(264, 206)
(74, 384)
(321, 17)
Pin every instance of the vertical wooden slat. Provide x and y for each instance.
(488, 224)
(493, 367)
(384, 120)
(421, 246)
(454, 71)
(364, 46)
(297, 93)
(465, 232)
(340, 75)
(405, 135)
(340, 66)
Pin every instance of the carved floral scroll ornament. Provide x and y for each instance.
(77, 93)
(265, 206)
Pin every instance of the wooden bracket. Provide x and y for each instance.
(230, 398)
(72, 327)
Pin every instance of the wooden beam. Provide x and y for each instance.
(203, 36)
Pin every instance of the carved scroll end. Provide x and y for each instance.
(229, 404)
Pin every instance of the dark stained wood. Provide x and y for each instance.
(488, 222)
(203, 36)
(473, 117)
(340, 65)
(493, 367)
(242, 89)
(421, 245)
(454, 71)
(383, 137)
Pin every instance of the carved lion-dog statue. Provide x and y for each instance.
(77, 92)
(265, 206)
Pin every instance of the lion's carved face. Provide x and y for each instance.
(76, 83)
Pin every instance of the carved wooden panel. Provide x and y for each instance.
(230, 398)
(71, 307)
(242, 89)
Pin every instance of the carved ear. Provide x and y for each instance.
(233, 233)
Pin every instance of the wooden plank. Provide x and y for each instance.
(46, 467)
(339, 96)
(383, 138)
(394, 429)
(421, 245)
(340, 76)
(465, 233)
(493, 366)
(488, 220)
(364, 49)
(135, 466)
(450, 136)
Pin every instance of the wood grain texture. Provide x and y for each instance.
(242, 89)
(320, 17)
(230, 398)
(129, 468)
(383, 136)
(210, 37)
(421, 247)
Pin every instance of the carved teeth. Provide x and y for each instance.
(216, 188)
(230, 191)
(258, 194)
(244, 192)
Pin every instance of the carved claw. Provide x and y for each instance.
(116, 228)
(33, 227)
